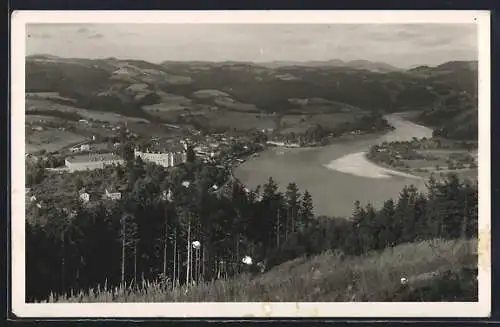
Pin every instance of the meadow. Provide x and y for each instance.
(436, 270)
(51, 140)
(48, 105)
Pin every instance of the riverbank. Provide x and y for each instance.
(337, 174)
(423, 172)
(358, 164)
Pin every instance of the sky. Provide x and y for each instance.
(400, 45)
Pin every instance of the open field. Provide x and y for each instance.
(41, 119)
(229, 103)
(241, 120)
(48, 96)
(229, 119)
(51, 140)
(440, 163)
(47, 106)
(169, 102)
(300, 123)
(331, 277)
(320, 105)
(151, 130)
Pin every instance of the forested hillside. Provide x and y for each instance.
(148, 234)
(434, 270)
(128, 86)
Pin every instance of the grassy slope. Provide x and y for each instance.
(332, 277)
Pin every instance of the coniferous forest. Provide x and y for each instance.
(171, 227)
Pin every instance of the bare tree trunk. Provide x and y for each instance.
(178, 279)
(287, 223)
(237, 252)
(165, 247)
(174, 276)
(278, 228)
(464, 220)
(188, 266)
(197, 259)
(63, 262)
(123, 253)
(203, 258)
(135, 263)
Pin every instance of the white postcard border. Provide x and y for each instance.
(19, 20)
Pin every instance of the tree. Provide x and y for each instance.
(128, 239)
(404, 215)
(293, 205)
(127, 152)
(359, 216)
(34, 174)
(190, 155)
(385, 219)
(306, 210)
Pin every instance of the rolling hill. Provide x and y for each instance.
(129, 87)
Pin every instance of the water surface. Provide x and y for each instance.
(338, 174)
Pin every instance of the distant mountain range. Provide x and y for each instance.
(354, 64)
(131, 86)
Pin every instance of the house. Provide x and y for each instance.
(112, 195)
(80, 148)
(167, 196)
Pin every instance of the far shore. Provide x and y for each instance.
(336, 140)
(358, 164)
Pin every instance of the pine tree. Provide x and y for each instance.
(190, 154)
(306, 210)
(128, 240)
(293, 204)
(385, 219)
(370, 229)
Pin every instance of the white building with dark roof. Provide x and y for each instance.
(165, 159)
(112, 195)
(92, 161)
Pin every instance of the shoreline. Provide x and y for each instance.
(340, 139)
(390, 169)
(358, 164)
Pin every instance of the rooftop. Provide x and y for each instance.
(93, 157)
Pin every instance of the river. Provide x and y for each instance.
(338, 174)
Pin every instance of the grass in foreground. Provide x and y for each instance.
(435, 270)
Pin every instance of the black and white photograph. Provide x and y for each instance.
(251, 164)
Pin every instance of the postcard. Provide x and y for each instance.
(250, 164)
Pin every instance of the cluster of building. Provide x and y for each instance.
(283, 144)
(85, 197)
(92, 161)
(165, 159)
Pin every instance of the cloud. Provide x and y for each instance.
(397, 44)
(83, 30)
(96, 36)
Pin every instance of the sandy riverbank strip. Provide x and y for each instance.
(358, 164)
